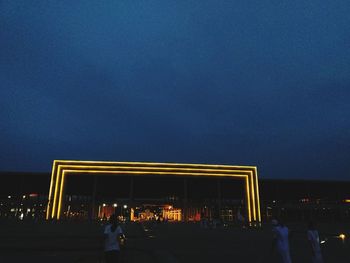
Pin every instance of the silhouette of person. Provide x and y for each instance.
(240, 218)
(281, 240)
(314, 240)
(112, 233)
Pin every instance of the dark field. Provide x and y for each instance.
(82, 242)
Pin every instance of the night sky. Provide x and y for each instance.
(263, 83)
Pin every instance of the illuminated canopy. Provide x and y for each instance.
(62, 168)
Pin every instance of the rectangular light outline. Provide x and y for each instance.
(146, 168)
(166, 164)
(64, 173)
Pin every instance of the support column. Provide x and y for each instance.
(253, 197)
(219, 204)
(61, 198)
(131, 190)
(131, 197)
(248, 217)
(257, 197)
(56, 195)
(93, 215)
(185, 201)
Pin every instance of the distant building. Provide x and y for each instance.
(24, 196)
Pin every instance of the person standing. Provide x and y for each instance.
(281, 240)
(314, 240)
(240, 218)
(112, 234)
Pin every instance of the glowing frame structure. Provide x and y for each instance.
(61, 168)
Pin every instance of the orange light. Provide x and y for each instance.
(342, 237)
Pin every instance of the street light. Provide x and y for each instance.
(115, 208)
(123, 212)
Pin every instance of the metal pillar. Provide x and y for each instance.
(93, 215)
(185, 201)
(219, 197)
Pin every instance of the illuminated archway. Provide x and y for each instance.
(62, 168)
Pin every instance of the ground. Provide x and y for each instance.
(169, 243)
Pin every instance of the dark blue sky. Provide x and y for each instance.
(263, 83)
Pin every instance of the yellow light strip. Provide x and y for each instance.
(175, 165)
(62, 167)
(248, 199)
(152, 168)
(158, 164)
(56, 190)
(257, 193)
(154, 173)
(135, 172)
(253, 195)
(53, 173)
(171, 170)
(61, 196)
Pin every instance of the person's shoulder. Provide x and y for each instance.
(310, 234)
(284, 228)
